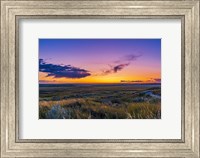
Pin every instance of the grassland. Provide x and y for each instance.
(108, 101)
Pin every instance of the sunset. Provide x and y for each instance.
(99, 61)
(99, 78)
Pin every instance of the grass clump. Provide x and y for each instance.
(144, 111)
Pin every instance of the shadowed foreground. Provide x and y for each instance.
(120, 101)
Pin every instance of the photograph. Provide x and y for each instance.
(99, 78)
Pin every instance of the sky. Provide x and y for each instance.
(87, 61)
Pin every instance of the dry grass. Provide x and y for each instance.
(61, 102)
(99, 102)
(144, 110)
(88, 109)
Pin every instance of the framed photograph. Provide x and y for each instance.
(100, 78)
(107, 82)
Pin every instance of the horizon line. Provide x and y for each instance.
(102, 83)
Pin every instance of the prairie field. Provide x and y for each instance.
(99, 101)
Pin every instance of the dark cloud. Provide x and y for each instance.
(119, 67)
(156, 79)
(59, 71)
(152, 80)
(121, 64)
(115, 69)
(131, 81)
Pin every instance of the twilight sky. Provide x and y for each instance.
(99, 60)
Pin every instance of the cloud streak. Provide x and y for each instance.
(121, 64)
(151, 80)
(156, 79)
(115, 69)
(131, 81)
(60, 71)
(128, 58)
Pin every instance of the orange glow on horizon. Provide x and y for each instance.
(107, 79)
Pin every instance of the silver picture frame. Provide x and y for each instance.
(14, 10)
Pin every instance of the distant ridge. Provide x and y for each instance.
(110, 84)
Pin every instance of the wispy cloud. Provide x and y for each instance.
(131, 81)
(151, 80)
(120, 64)
(119, 67)
(115, 69)
(59, 71)
(128, 58)
(156, 79)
